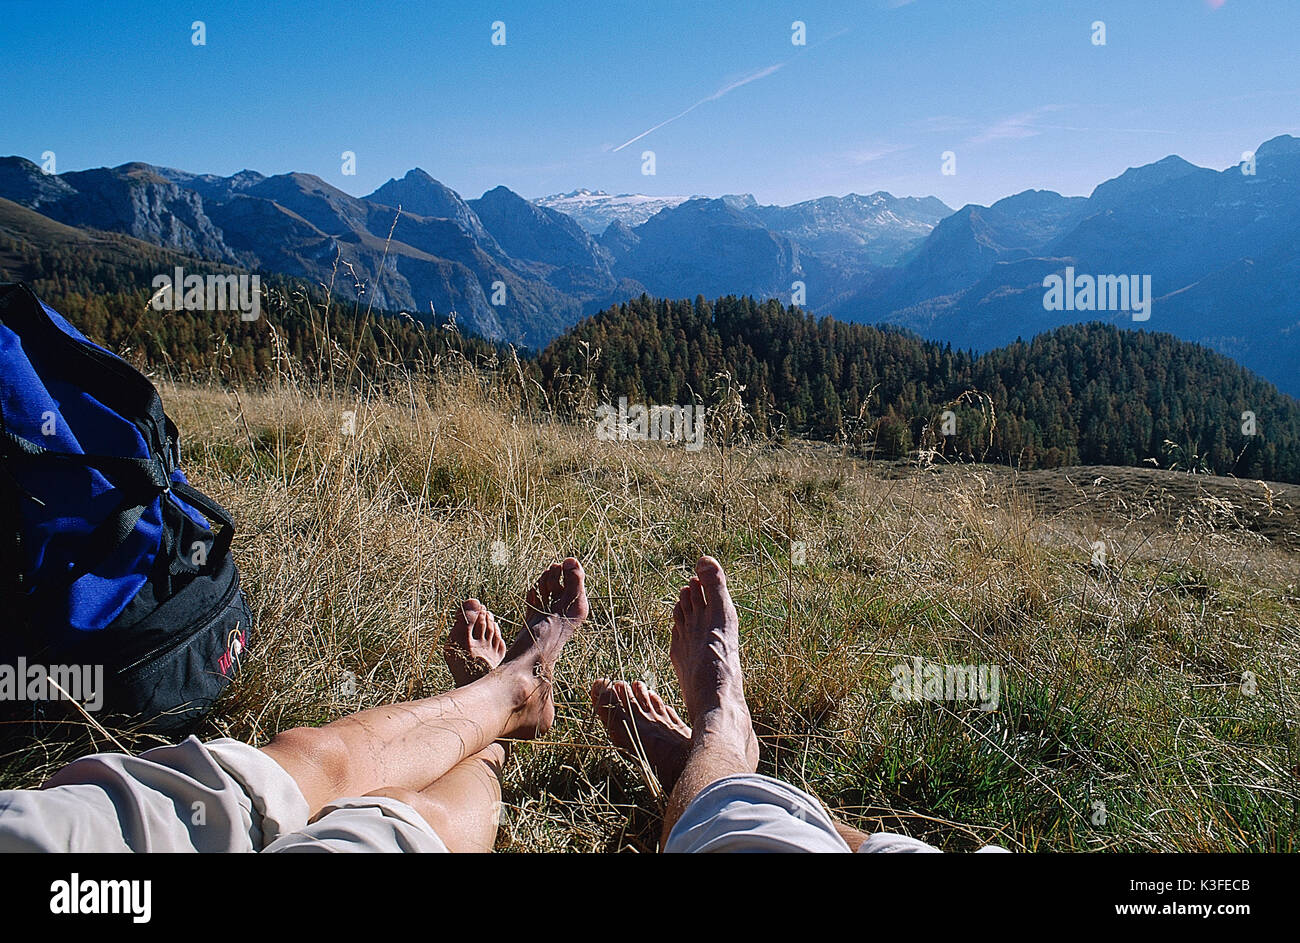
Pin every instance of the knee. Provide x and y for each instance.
(319, 750)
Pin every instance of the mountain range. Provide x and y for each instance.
(1222, 249)
(506, 267)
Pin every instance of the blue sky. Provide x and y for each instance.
(1015, 88)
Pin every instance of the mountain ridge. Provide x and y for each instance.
(1218, 246)
(1215, 243)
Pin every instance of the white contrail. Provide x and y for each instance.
(732, 86)
(760, 74)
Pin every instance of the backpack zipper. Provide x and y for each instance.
(192, 629)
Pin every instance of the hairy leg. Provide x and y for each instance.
(851, 836)
(705, 652)
(650, 733)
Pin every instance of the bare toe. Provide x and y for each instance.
(549, 584)
(705, 653)
(647, 736)
(469, 651)
(657, 705)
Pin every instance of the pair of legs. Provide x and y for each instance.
(443, 755)
(705, 654)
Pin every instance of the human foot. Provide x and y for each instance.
(705, 652)
(557, 605)
(474, 646)
(645, 728)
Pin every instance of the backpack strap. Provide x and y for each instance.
(134, 472)
(110, 378)
(141, 480)
(214, 511)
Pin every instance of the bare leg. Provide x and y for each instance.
(464, 806)
(852, 837)
(649, 732)
(474, 645)
(705, 652)
(409, 746)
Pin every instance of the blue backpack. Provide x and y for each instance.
(113, 576)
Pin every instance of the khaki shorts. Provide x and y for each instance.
(222, 796)
(225, 796)
(755, 813)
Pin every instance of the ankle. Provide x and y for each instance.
(724, 699)
(521, 679)
(728, 723)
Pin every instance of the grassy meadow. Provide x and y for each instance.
(1147, 701)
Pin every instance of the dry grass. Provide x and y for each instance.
(1121, 685)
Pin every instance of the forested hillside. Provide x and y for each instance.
(1081, 394)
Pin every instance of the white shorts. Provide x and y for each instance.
(222, 796)
(755, 813)
(226, 796)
